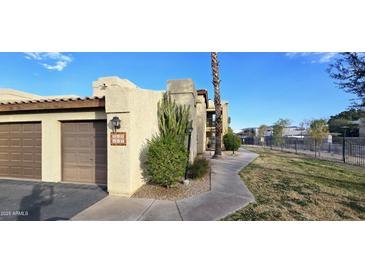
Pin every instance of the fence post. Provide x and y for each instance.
(315, 148)
(343, 149)
(296, 142)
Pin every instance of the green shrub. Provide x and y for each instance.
(166, 160)
(173, 119)
(231, 141)
(199, 168)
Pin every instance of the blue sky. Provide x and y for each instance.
(260, 87)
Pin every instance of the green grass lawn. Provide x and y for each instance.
(294, 187)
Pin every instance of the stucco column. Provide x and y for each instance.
(184, 93)
(201, 124)
(51, 149)
(117, 104)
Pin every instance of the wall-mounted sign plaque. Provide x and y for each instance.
(118, 138)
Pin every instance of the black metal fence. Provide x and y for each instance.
(349, 150)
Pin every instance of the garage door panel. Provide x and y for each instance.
(82, 158)
(38, 158)
(100, 143)
(30, 142)
(83, 174)
(16, 171)
(100, 177)
(68, 173)
(76, 141)
(69, 158)
(4, 156)
(38, 142)
(84, 141)
(28, 171)
(68, 141)
(15, 127)
(101, 160)
(4, 142)
(28, 128)
(77, 158)
(29, 160)
(4, 129)
(15, 157)
(15, 142)
(86, 174)
(20, 150)
(4, 169)
(84, 150)
(84, 127)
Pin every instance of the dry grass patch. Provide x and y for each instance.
(295, 187)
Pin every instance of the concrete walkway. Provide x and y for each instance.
(228, 194)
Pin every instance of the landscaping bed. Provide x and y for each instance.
(178, 192)
(295, 187)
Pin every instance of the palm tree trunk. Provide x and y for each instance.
(218, 108)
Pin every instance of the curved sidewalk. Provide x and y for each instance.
(228, 194)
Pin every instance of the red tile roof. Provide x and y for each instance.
(53, 104)
(50, 100)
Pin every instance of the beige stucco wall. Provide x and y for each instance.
(137, 110)
(184, 93)
(144, 105)
(51, 136)
(225, 124)
(201, 124)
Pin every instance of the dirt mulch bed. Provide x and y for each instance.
(178, 192)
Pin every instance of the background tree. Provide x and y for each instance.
(303, 127)
(231, 141)
(349, 72)
(318, 130)
(278, 130)
(217, 105)
(251, 132)
(261, 132)
(346, 118)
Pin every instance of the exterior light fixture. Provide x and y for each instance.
(115, 123)
(190, 127)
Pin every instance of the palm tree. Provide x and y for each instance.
(218, 108)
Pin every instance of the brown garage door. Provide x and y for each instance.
(84, 152)
(20, 150)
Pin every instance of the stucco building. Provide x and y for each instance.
(210, 123)
(76, 139)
